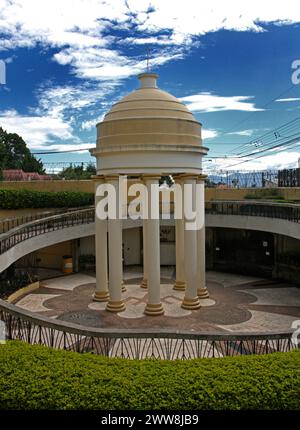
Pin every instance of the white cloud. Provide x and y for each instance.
(208, 102)
(242, 132)
(209, 134)
(82, 34)
(90, 124)
(79, 28)
(37, 131)
(291, 99)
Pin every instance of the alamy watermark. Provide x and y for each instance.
(296, 333)
(296, 72)
(141, 202)
(2, 72)
(2, 332)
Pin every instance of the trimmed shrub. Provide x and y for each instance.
(21, 199)
(36, 377)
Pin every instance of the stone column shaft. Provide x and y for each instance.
(201, 278)
(154, 305)
(116, 303)
(191, 300)
(144, 283)
(180, 283)
(101, 291)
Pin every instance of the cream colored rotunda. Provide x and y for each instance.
(146, 135)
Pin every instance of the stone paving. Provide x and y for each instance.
(236, 303)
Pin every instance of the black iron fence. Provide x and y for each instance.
(13, 222)
(137, 344)
(289, 178)
(45, 225)
(289, 212)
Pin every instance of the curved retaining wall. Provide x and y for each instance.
(30, 237)
(137, 344)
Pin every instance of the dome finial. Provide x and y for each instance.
(148, 80)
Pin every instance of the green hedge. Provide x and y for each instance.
(19, 199)
(36, 377)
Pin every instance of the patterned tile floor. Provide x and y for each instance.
(236, 303)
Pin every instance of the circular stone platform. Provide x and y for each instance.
(236, 303)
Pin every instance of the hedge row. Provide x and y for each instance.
(19, 199)
(36, 377)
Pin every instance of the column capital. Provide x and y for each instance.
(109, 178)
(177, 179)
(201, 177)
(189, 176)
(149, 177)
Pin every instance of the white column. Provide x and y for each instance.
(201, 283)
(144, 283)
(191, 300)
(180, 283)
(115, 303)
(101, 291)
(154, 305)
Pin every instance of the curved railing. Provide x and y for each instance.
(137, 343)
(289, 212)
(26, 326)
(7, 224)
(45, 225)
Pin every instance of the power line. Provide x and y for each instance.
(264, 106)
(275, 132)
(285, 145)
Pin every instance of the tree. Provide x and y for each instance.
(14, 154)
(77, 172)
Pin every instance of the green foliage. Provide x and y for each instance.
(264, 193)
(14, 154)
(77, 172)
(19, 199)
(36, 377)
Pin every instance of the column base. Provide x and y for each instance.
(144, 283)
(101, 296)
(115, 306)
(123, 287)
(179, 286)
(203, 293)
(191, 304)
(154, 309)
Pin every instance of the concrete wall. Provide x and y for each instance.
(240, 193)
(87, 245)
(88, 186)
(51, 256)
(47, 239)
(132, 239)
(277, 226)
(51, 246)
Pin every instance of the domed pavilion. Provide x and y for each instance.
(146, 135)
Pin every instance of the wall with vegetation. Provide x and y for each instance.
(88, 186)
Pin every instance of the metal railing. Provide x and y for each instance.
(137, 343)
(289, 212)
(45, 225)
(7, 224)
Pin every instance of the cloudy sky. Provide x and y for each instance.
(230, 62)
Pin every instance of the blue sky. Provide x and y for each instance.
(68, 61)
